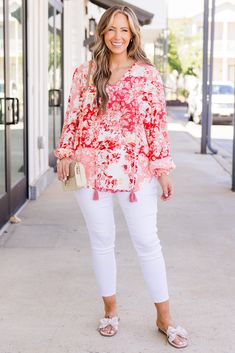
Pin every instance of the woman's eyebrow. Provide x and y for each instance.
(116, 27)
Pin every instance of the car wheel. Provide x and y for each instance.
(190, 117)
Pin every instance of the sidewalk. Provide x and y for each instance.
(49, 298)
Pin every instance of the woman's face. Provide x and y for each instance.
(118, 35)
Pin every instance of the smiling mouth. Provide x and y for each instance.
(116, 44)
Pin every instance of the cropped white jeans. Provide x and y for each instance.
(141, 219)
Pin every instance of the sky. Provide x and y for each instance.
(176, 8)
(184, 8)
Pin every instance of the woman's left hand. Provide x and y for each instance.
(167, 187)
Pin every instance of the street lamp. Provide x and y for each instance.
(92, 26)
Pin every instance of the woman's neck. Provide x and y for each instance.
(118, 61)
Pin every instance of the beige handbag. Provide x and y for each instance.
(77, 175)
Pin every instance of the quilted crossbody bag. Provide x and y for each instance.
(77, 175)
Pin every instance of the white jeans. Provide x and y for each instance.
(141, 219)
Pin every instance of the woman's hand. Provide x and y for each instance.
(167, 188)
(63, 168)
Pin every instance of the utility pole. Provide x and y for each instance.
(233, 166)
(205, 78)
(210, 114)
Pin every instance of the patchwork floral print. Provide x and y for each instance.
(129, 142)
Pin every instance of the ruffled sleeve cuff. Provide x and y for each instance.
(162, 166)
(64, 153)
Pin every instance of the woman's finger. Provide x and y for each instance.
(165, 190)
(64, 170)
(59, 171)
(67, 168)
(170, 189)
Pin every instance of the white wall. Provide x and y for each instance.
(74, 52)
(224, 45)
(40, 173)
(37, 17)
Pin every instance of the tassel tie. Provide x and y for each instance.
(132, 196)
(95, 195)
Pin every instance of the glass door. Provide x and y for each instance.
(55, 80)
(13, 182)
(2, 118)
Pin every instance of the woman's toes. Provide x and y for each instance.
(179, 341)
(108, 330)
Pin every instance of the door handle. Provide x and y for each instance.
(2, 111)
(17, 112)
(55, 97)
(12, 105)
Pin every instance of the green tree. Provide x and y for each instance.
(174, 62)
(184, 54)
(186, 45)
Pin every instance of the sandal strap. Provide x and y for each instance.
(112, 321)
(173, 332)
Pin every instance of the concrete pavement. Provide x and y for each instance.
(221, 136)
(49, 299)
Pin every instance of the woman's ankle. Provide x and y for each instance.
(164, 320)
(111, 314)
(110, 306)
(110, 311)
(164, 323)
(163, 314)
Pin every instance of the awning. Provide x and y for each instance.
(144, 17)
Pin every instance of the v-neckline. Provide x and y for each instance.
(123, 76)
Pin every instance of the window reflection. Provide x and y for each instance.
(16, 88)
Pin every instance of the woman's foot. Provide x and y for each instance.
(176, 335)
(108, 326)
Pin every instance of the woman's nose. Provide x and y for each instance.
(117, 35)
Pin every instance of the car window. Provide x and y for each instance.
(222, 89)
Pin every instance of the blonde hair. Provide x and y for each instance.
(101, 53)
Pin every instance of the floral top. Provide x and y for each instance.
(129, 142)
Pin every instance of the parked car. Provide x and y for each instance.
(222, 106)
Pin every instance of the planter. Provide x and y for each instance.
(176, 103)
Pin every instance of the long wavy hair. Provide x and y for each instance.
(101, 53)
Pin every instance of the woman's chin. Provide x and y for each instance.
(118, 50)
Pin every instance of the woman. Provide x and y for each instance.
(117, 128)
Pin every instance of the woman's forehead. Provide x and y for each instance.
(119, 20)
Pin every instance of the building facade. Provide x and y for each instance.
(224, 40)
(41, 43)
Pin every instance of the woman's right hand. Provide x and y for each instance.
(63, 168)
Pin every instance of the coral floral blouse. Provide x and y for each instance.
(127, 144)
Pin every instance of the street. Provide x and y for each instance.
(221, 135)
(50, 301)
